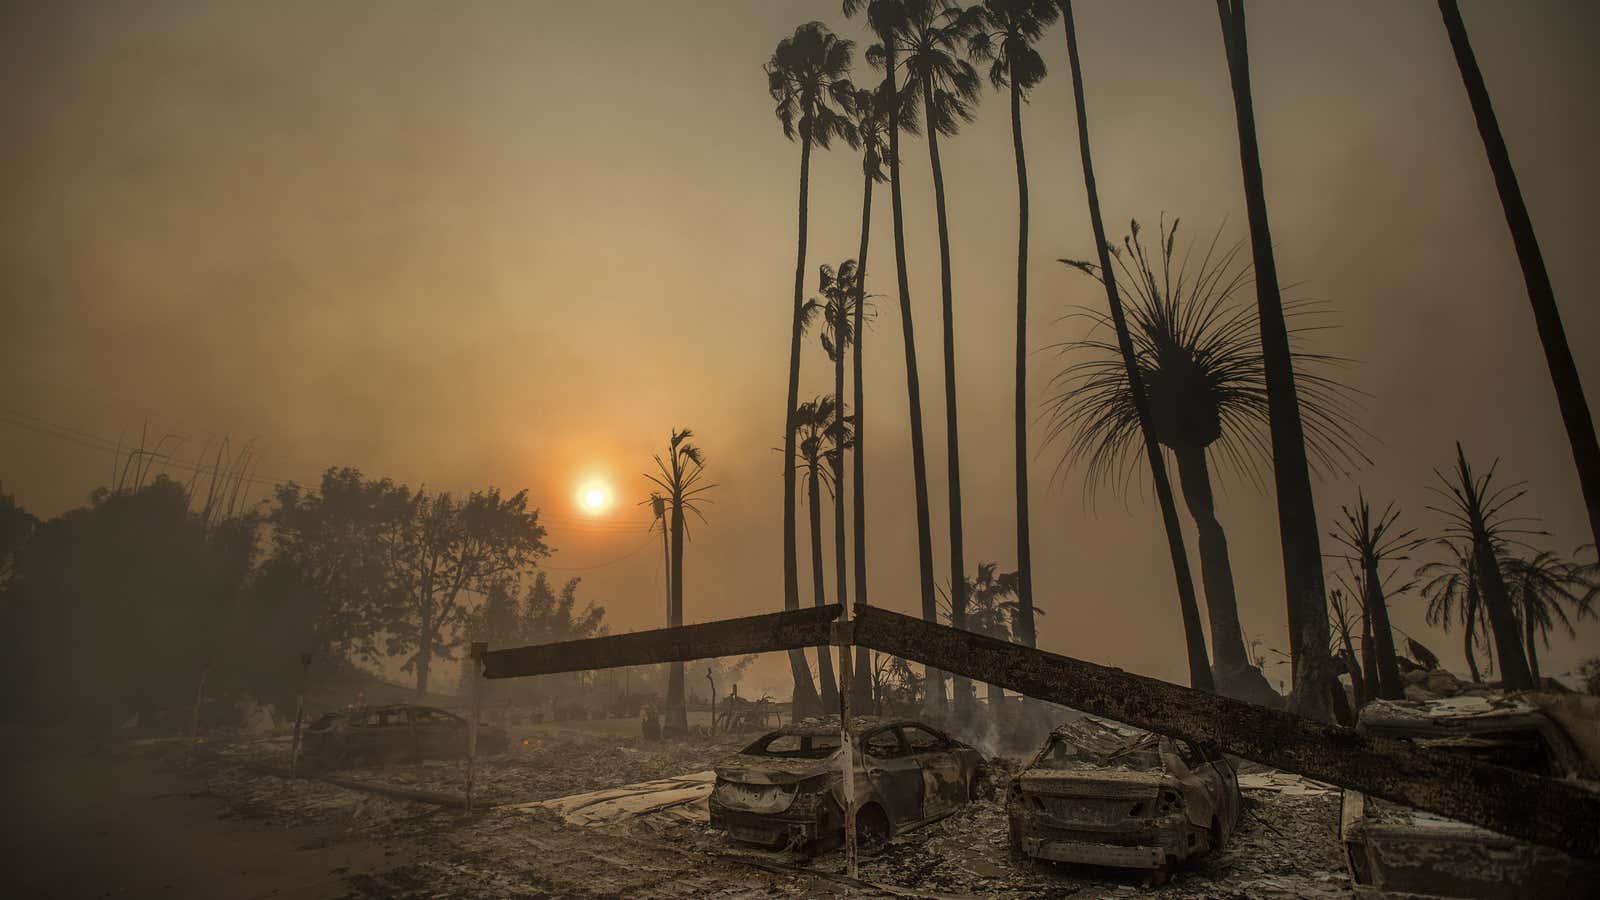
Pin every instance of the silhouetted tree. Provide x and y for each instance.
(808, 77)
(1297, 512)
(1451, 589)
(679, 476)
(1341, 616)
(1199, 667)
(1373, 542)
(888, 19)
(1199, 354)
(820, 439)
(1546, 315)
(1475, 511)
(16, 526)
(1003, 35)
(931, 42)
(1541, 585)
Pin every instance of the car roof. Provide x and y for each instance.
(1103, 737)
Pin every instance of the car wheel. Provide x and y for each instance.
(872, 827)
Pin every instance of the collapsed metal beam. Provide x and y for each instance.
(788, 630)
(1542, 810)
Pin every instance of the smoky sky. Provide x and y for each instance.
(514, 244)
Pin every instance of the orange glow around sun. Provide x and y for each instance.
(594, 497)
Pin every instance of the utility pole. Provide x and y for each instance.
(713, 694)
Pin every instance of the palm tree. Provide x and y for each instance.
(870, 113)
(1451, 589)
(1199, 353)
(1199, 668)
(1005, 33)
(992, 612)
(931, 41)
(1541, 584)
(1339, 612)
(679, 477)
(887, 18)
(1373, 542)
(822, 436)
(843, 315)
(807, 76)
(1546, 315)
(1297, 511)
(1475, 510)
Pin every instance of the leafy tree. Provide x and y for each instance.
(679, 477)
(887, 19)
(807, 76)
(16, 526)
(1314, 684)
(1199, 354)
(1199, 667)
(1541, 296)
(1003, 35)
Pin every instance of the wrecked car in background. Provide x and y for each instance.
(1103, 794)
(1393, 850)
(786, 788)
(377, 735)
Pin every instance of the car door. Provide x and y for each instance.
(894, 775)
(943, 786)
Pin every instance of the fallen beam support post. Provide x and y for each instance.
(1545, 811)
(789, 630)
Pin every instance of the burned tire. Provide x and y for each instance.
(872, 827)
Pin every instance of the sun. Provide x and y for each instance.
(594, 497)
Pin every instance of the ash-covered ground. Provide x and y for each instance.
(1286, 843)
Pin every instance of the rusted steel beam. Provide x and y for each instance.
(1542, 810)
(789, 630)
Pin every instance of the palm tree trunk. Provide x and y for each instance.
(1358, 684)
(934, 699)
(1514, 673)
(1216, 571)
(677, 713)
(1199, 667)
(861, 688)
(1023, 627)
(1472, 660)
(1546, 316)
(666, 558)
(1533, 647)
(1297, 511)
(961, 686)
(1369, 652)
(830, 687)
(1390, 687)
(806, 701)
(841, 582)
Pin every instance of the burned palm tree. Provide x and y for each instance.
(1541, 586)
(1371, 543)
(1451, 588)
(679, 477)
(1476, 511)
(808, 78)
(821, 437)
(1199, 354)
(1343, 619)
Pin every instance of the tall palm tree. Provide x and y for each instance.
(887, 19)
(1546, 315)
(1476, 514)
(1003, 36)
(843, 317)
(870, 113)
(808, 77)
(932, 40)
(1200, 356)
(679, 477)
(1199, 667)
(1451, 588)
(1314, 682)
(1542, 584)
(1372, 542)
(821, 439)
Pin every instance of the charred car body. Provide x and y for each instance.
(1396, 851)
(375, 735)
(786, 789)
(1108, 795)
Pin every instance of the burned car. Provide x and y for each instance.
(1393, 850)
(1103, 794)
(376, 735)
(786, 788)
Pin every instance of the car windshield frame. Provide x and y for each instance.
(808, 745)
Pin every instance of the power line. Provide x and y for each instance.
(630, 554)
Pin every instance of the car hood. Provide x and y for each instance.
(770, 770)
(1095, 782)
